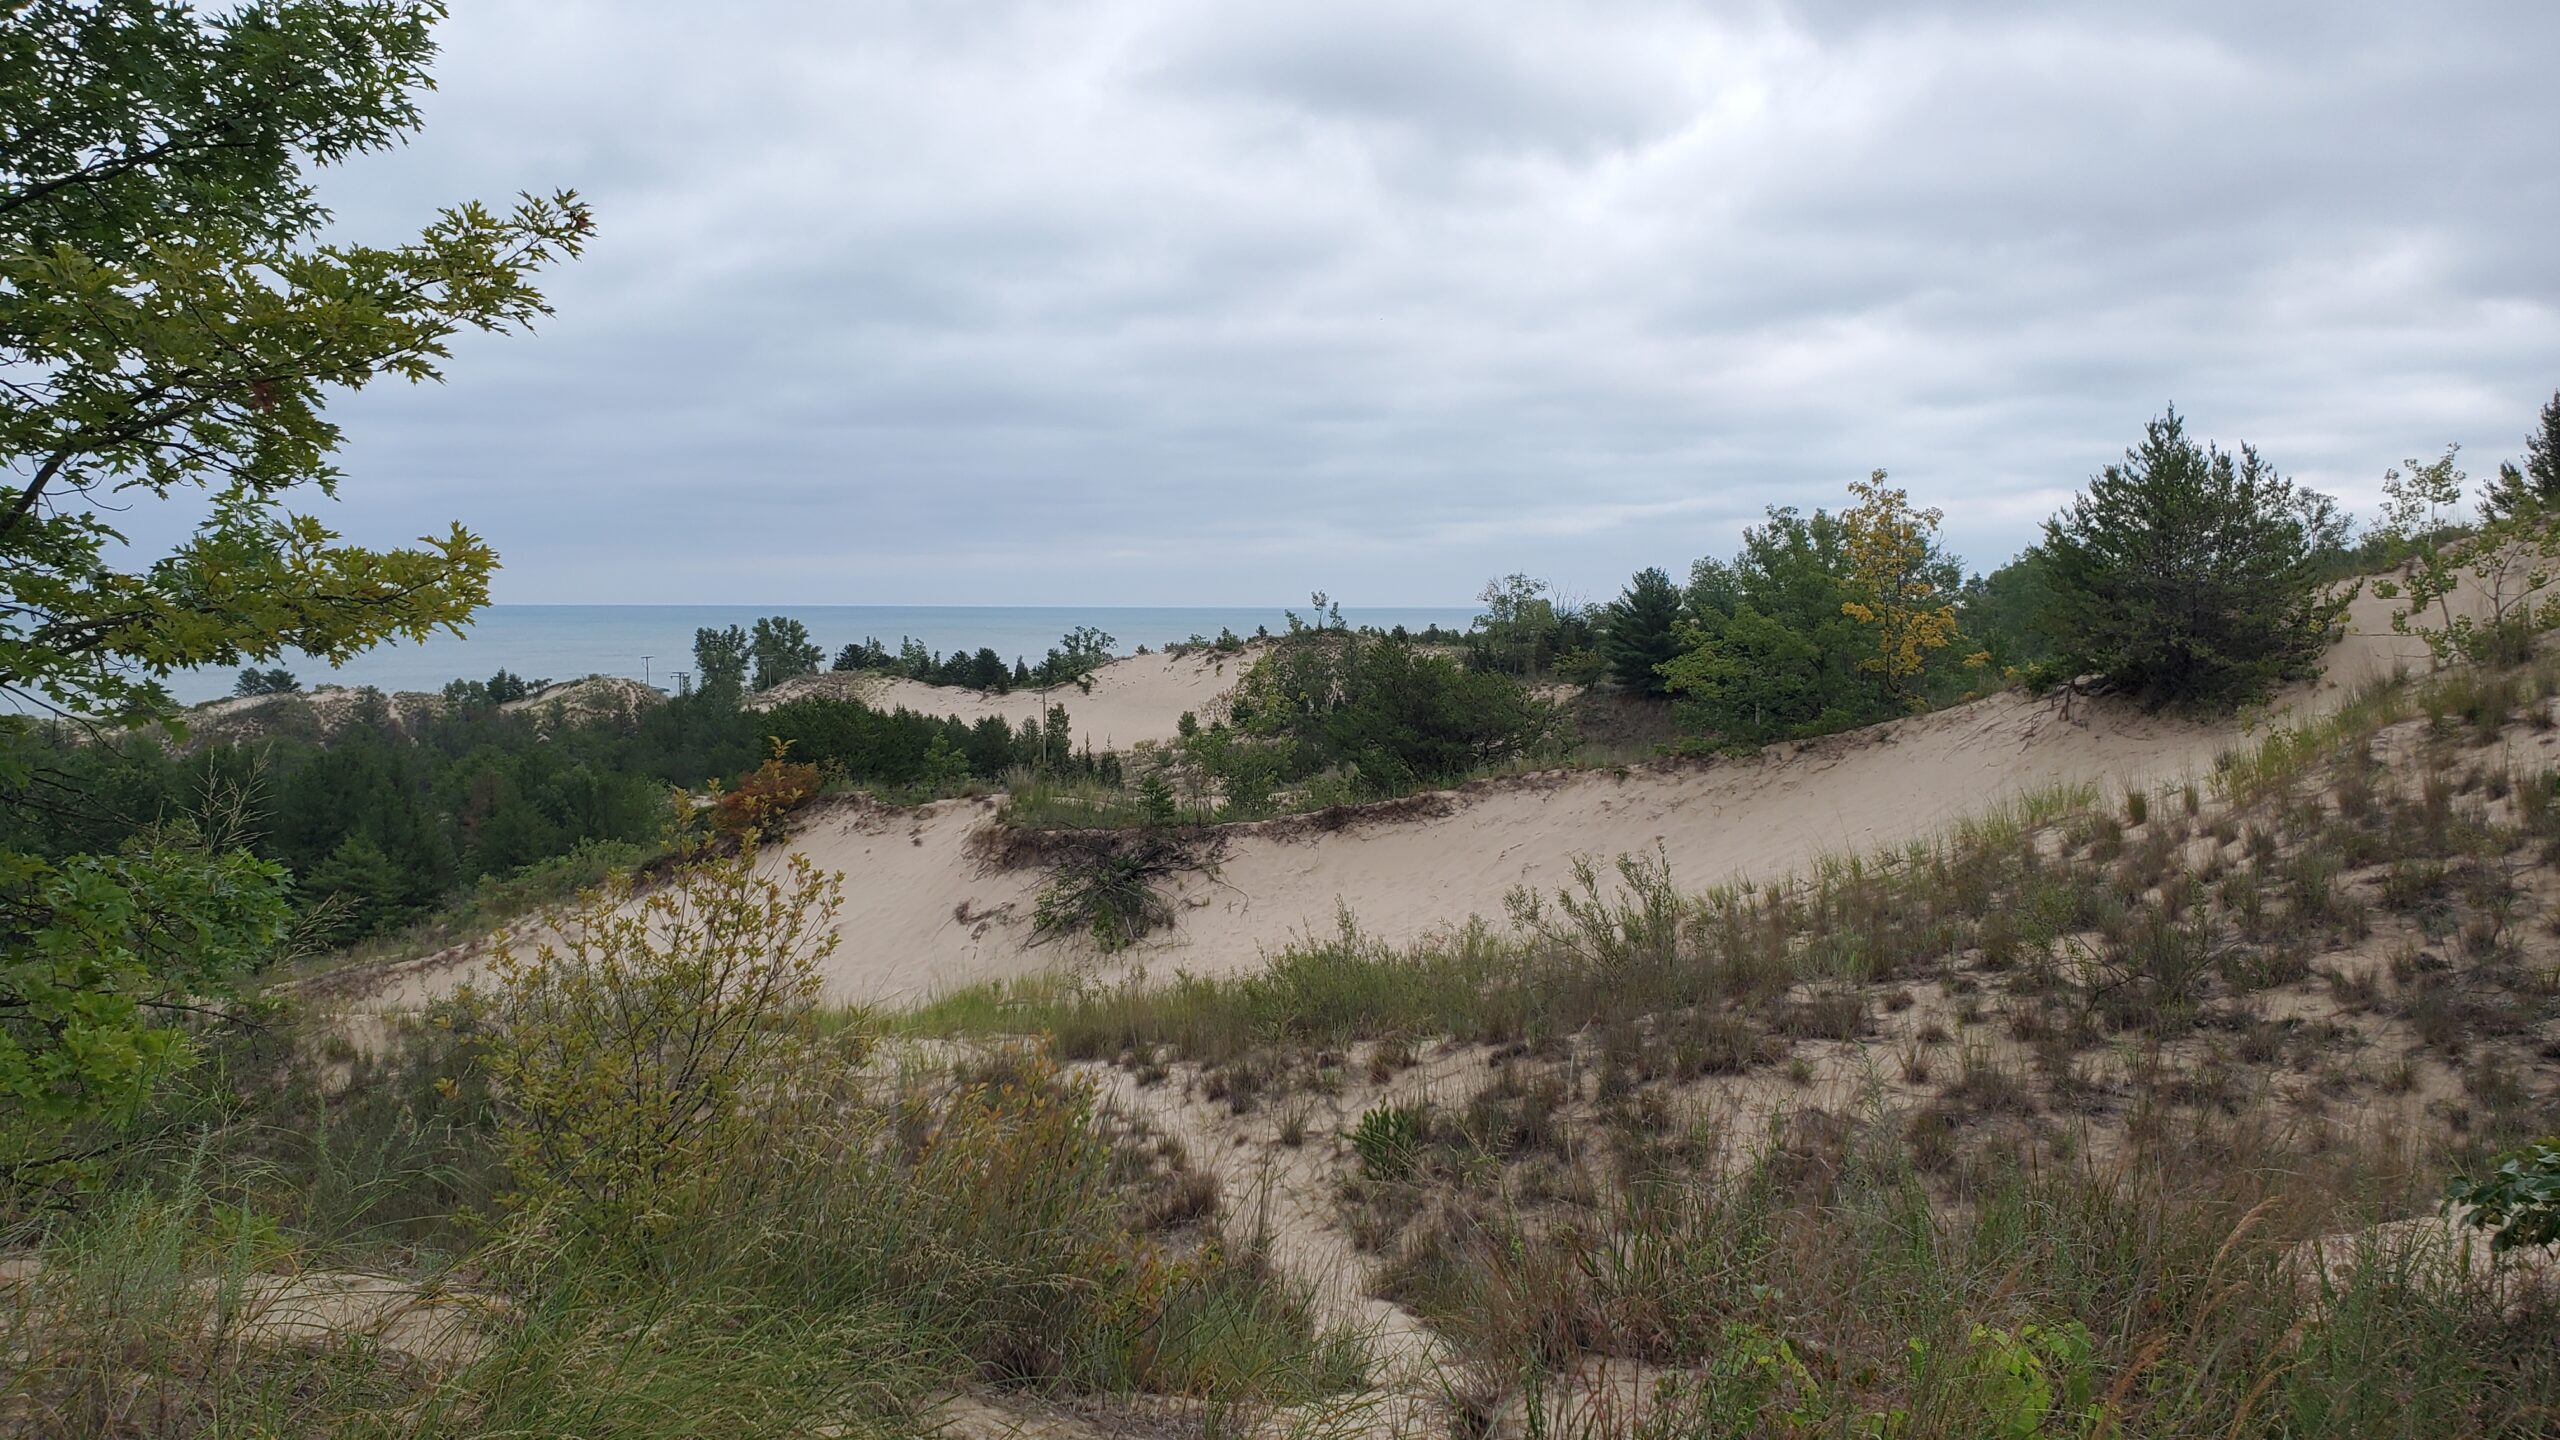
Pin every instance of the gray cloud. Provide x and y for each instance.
(1140, 302)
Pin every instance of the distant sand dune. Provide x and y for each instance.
(1141, 697)
(923, 915)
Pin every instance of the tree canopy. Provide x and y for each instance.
(2535, 483)
(1640, 634)
(171, 328)
(2188, 576)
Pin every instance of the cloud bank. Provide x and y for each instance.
(1141, 302)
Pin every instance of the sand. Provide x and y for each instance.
(923, 916)
(1135, 699)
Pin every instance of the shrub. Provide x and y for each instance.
(637, 1054)
(1388, 1140)
(1388, 712)
(2187, 576)
(1110, 896)
(759, 806)
(2503, 567)
(2518, 1201)
(1524, 633)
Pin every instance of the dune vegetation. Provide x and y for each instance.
(2213, 1104)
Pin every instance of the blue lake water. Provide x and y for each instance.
(651, 642)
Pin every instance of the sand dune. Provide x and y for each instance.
(1139, 697)
(923, 915)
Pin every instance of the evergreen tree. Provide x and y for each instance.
(355, 892)
(2188, 576)
(254, 681)
(1639, 632)
(2004, 611)
(2537, 484)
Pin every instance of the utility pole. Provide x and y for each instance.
(644, 670)
(684, 682)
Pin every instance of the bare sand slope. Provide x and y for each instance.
(1137, 697)
(923, 915)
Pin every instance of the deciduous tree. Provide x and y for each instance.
(781, 648)
(1898, 583)
(171, 329)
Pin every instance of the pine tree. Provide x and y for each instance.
(2537, 484)
(354, 892)
(1639, 633)
(2188, 576)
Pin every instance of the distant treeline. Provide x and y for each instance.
(2184, 575)
(778, 648)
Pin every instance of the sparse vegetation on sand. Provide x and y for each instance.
(2119, 1110)
(634, 1188)
(2077, 1118)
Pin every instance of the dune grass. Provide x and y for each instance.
(985, 1226)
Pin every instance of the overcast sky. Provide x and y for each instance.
(1138, 302)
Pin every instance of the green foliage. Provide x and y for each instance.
(383, 821)
(1524, 633)
(503, 688)
(635, 1055)
(1748, 680)
(2500, 567)
(1790, 637)
(1074, 659)
(254, 681)
(1754, 1376)
(1071, 661)
(1388, 1139)
(2004, 612)
(899, 748)
(780, 649)
(1156, 801)
(101, 952)
(2018, 1384)
(1110, 897)
(2187, 576)
(1639, 633)
(355, 891)
(172, 330)
(720, 660)
(1389, 714)
(935, 1231)
(2518, 1201)
(2535, 484)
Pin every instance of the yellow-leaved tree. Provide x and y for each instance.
(1903, 585)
